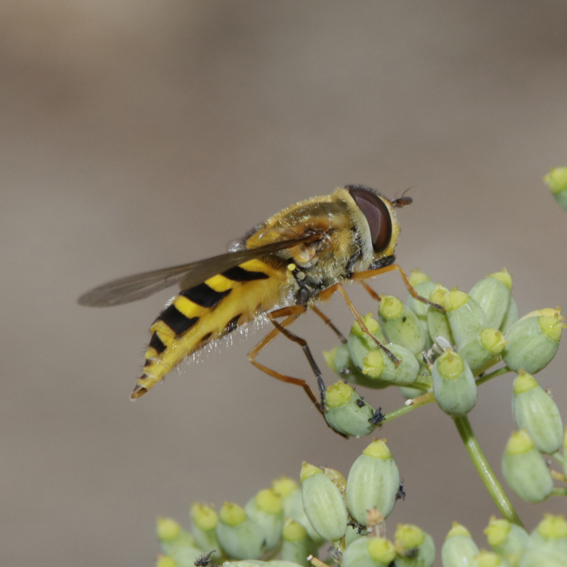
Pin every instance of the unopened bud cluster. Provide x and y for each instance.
(556, 180)
(510, 545)
(286, 524)
(444, 348)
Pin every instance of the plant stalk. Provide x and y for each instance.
(485, 472)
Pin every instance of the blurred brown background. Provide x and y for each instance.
(137, 135)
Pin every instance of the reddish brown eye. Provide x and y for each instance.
(376, 214)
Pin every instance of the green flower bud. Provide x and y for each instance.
(548, 544)
(424, 287)
(400, 324)
(177, 543)
(493, 295)
(369, 552)
(203, 528)
(293, 508)
(535, 410)
(359, 343)
(552, 530)
(297, 546)
(453, 384)
(323, 503)
(238, 535)
(489, 559)
(556, 180)
(166, 561)
(505, 538)
(339, 360)
(280, 563)
(437, 322)
(245, 563)
(414, 547)
(533, 340)
(346, 412)
(284, 486)
(373, 482)
(483, 350)
(466, 316)
(353, 533)
(266, 509)
(511, 316)
(525, 470)
(459, 548)
(377, 365)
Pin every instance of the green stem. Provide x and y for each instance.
(415, 403)
(559, 492)
(491, 375)
(483, 468)
(558, 457)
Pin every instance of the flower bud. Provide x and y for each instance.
(483, 350)
(373, 482)
(556, 180)
(284, 486)
(359, 343)
(489, 559)
(525, 470)
(369, 552)
(377, 365)
(505, 538)
(166, 561)
(353, 533)
(177, 543)
(466, 316)
(414, 547)
(346, 412)
(453, 384)
(533, 340)
(511, 316)
(424, 287)
(437, 322)
(323, 503)
(238, 535)
(293, 508)
(548, 544)
(266, 509)
(493, 295)
(400, 324)
(204, 523)
(339, 360)
(296, 546)
(535, 410)
(459, 548)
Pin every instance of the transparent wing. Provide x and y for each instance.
(132, 288)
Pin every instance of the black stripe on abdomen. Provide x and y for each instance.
(232, 324)
(176, 321)
(238, 274)
(157, 343)
(204, 295)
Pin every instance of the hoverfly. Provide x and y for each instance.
(281, 268)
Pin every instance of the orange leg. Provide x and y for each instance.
(291, 313)
(372, 273)
(330, 324)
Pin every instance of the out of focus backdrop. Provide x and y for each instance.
(138, 135)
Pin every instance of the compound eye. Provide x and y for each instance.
(377, 215)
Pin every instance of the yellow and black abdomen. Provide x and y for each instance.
(206, 312)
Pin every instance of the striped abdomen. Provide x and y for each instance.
(205, 312)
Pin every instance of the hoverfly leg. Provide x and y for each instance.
(330, 324)
(339, 287)
(277, 375)
(371, 292)
(385, 269)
